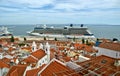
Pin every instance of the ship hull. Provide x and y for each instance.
(61, 35)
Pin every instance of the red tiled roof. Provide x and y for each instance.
(6, 60)
(34, 72)
(30, 59)
(84, 47)
(90, 49)
(67, 73)
(110, 45)
(102, 65)
(8, 39)
(17, 70)
(2, 64)
(14, 73)
(39, 53)
(61, 48)
(56, 68)
(66, 59)
(27, 48)
(11, 49)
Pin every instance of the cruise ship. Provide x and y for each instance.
(70, 31)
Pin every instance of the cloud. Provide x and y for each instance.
(31, 3)
(62, 5)
(60, 9)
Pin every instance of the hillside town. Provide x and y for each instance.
(40, 56)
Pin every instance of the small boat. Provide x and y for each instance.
(4, 31)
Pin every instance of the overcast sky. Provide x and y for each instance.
(59, 11)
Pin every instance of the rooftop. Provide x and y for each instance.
(17, 70)
(101, 65)
(110, 45)
(3, 64)
(30, 59)
(57, 68)
(39, 53)
(34, 72)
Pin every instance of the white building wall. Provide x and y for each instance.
(1, 72)
(107, 52)
(42, 61)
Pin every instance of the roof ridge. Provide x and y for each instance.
(16, 70)
(49, 64)
(34, 57)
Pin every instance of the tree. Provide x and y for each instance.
(115, 39)
(74, 38)
(87, 42)
(12, 38)
(25, 39)
(83, 41)
(44, 38)
(55, 39)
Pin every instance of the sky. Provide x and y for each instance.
(60, 12)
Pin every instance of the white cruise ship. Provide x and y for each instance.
(66, 31)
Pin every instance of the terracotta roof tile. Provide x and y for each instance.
(56, 68)
(27, 48)
(16, 70)
(3, 64)
(6, 60)
(110, 45)
(14, 73)
(84, 47)
(11, 49)
(66, 59)
(39, 53)
(90, 49)
(34, 72)
(30, 59)
(61, 48)
(102, 65)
